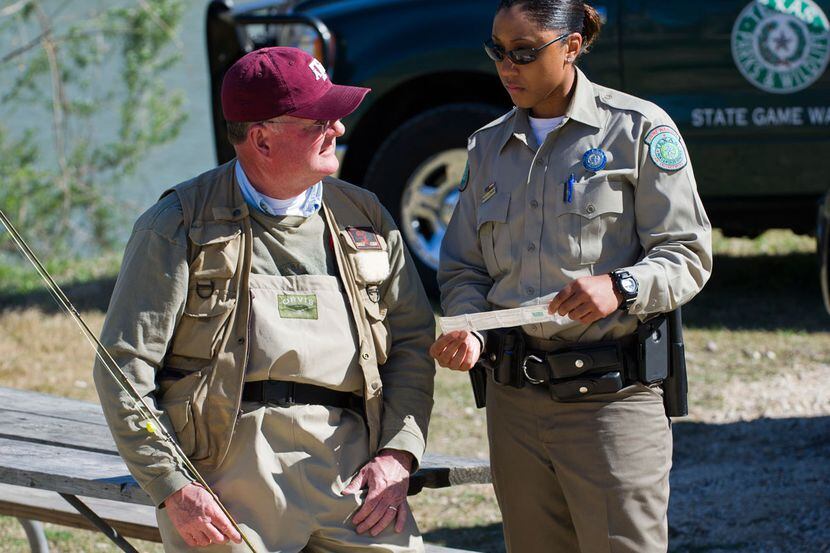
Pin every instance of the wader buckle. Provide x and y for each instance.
(205, 288)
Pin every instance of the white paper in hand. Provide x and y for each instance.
(504, 318)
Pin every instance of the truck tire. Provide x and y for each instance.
(416, 173)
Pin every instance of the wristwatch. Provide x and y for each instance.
(626, 285)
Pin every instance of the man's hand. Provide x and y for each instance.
(387, 479)
(458, 350)
(198, 518)
(587, 299)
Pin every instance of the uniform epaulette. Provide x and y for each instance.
(622, 101)
(496, 122)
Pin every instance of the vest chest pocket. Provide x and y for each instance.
(368, 254)
(494, 233)
(589, 219)
(210, 296)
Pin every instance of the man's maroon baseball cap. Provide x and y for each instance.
(270, 82)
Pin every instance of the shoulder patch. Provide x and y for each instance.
(666, 148)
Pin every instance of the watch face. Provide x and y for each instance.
(629, 285)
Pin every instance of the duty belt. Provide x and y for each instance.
(547, 360)
(570, 370)
(279, 392)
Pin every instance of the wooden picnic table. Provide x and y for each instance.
(51, 445)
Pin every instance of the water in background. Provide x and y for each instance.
(166, 165)
(192, 152)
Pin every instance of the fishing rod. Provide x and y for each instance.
(152, 424)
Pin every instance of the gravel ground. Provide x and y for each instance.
(754, 476)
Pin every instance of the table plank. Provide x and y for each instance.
(68, 470)
(65, 445)
(131, 521)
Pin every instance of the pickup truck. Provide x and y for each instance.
(745, 81)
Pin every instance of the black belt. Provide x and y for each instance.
(547, 360)
(281, 392)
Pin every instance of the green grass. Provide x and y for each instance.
(18, 277)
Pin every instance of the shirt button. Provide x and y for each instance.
(534, 204)
(590, 208)
(365, 356)
(531, 290)
(531, 247)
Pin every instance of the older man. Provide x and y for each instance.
(273, 316)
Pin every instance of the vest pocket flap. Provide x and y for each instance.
(214, 233)
(493, 210)
(359, 239)
(594, 197)
(216, 303)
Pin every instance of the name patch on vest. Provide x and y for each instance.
(297, 306)
(364, 238)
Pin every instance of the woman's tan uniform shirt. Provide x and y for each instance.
(513, 238)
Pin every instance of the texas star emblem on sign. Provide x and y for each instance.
(781, 46)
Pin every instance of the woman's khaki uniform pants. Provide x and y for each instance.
(590, 476)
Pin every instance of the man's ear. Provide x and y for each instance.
(260, 140)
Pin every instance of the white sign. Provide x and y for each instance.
(761, 116)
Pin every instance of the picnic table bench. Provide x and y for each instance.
(59, 464)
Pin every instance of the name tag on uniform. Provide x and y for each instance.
(489, 192)
(364, 238)
(297, 306)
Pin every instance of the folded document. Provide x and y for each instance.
(503, 318)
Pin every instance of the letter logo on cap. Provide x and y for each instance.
(318, 70)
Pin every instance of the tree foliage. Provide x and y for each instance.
(88, 100)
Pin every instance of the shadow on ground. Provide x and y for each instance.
(741, 487)
(92, 295)
(770, 292)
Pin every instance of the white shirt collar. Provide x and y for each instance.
(303, 205)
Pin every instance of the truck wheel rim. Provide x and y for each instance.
(428, 202)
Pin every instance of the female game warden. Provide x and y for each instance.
(581, 197)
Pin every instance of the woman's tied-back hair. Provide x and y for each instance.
(571, 16)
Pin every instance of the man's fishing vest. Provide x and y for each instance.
(209, 345)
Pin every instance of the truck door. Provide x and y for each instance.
(746, 83)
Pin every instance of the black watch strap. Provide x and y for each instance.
(627, 286)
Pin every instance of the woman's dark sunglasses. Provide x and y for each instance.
(519, 56)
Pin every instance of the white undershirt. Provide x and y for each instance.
(541, 127)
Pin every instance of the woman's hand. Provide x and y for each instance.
(458, 350)
(586, 299)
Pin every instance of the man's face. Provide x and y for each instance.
(305, 145)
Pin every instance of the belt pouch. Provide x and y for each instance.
(653, 350)
(505, 347)
(582, 371)
(577, 388)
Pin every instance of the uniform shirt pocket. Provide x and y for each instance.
(494, 233)
(590, 221)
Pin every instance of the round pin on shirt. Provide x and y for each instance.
(594, 160)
